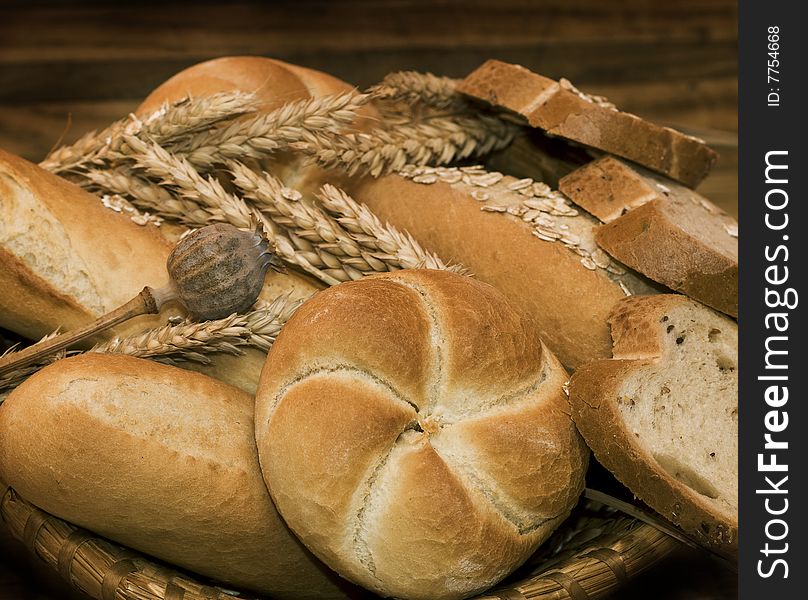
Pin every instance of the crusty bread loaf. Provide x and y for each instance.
(663, 414)
(662, 229)
(444, 211)
(560, 110)
(413, 432)
(536, 249)
(64, 258)
(158, 459)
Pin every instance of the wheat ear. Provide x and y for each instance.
(177, 174)
(436, 140)
(342, 237)
(261, 135)
(170, 123)
(411, 87)
(193, 341)
(365, 227)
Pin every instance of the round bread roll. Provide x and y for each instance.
(414, 434)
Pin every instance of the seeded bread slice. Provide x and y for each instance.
(561, 110)
(662, 229)
(662, 415)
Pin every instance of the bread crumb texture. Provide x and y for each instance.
(663, 414)
(43, 250)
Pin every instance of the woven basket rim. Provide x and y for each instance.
(579, 562)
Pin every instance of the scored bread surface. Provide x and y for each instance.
(663, 414)
(414, 434)
(53, 270)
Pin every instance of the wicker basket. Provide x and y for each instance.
(591, 554)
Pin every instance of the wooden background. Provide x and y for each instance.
(68, 67)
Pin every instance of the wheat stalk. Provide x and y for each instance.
(203, 200)
(170, 123)
(436, 140)
(261, 135)
(193, 341)
(315, 235)
(411, 87)
(186, 341)
(195, 114)
(365, 228)
(343, 238)
(177, 174)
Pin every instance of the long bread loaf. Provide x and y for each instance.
(158, 459)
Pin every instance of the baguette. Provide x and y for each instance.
(158, 459)
(64, 258)
(662, 229)
(561, 110)
(662, 415)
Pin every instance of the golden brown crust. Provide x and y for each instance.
(596, 389)
(496, 444)
(158, 459)
(607, 188)
(56, 231)
(317, 337)
(672, 242)
(568, 302)
(561, 112)
(411, 475)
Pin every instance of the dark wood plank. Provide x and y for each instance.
(88, 30)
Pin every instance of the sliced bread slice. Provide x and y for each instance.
(662, 229)
(662, 415)
(559, 109)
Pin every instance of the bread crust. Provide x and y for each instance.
(548, 105)
(158, 459)
(662, 229)
(51, 231)
(568, 302)
(415, 435)
(595, 391)
(673, 241)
